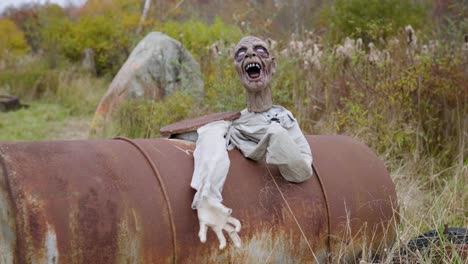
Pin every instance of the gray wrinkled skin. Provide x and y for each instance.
(252, 50)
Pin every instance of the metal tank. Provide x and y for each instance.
(128, 201)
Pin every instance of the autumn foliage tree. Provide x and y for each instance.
(107, 27)
(12, 40)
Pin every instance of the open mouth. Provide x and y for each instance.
(253, 70)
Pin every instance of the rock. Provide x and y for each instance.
(157, 67)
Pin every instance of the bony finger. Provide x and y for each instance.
(236, 223)
(202, 232)
(235, 239)
(233, 235)
(221, 238)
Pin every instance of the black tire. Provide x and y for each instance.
(453, 235)
(9, 103)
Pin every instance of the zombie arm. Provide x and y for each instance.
(295, 160)
(210, 172)
(289, 149)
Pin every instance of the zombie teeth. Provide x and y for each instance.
(250, 65)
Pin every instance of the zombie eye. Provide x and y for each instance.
(240, 54)
(261, 51)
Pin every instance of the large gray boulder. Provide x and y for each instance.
(157, 67)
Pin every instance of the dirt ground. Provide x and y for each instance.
(73, 129)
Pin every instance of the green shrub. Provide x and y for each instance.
(144, 118)
(79, 92)
(223, 91)
(197, 36)
(291, 88)
(12, 40)
(371, 20)
(107, 28)
(21, 80)
(408, 109)
(106, 35)
(51, 19)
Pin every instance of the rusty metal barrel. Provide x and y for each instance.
(128, 201)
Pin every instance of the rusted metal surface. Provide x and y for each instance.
(189, 125)
(7, 222)
(101, 202)
(361, 196)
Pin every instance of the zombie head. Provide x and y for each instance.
(254, 63)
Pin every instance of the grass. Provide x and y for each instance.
(33, 123)
(60, 100)
(424, 208)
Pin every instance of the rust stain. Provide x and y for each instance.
(7, 217)
(130, 234)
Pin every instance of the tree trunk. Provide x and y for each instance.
(144, 14)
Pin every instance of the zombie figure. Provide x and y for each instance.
(263, 131)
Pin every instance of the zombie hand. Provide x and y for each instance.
(213, 214)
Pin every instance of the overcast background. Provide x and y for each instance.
(6, 3)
